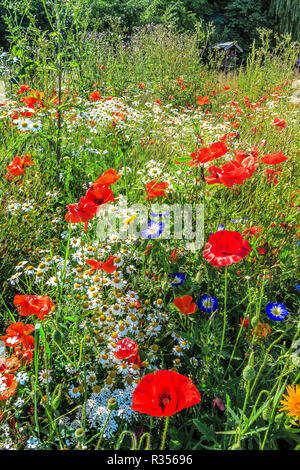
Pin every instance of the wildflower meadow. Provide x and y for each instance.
(148, 238)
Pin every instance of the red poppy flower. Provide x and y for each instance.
(274, 158)
(95, 96)
(29, 101)
(253, 231)
(141, 85)
(39, 305)
(154, 189)
(202, 101)
(185, 304)
(16, 166)
(106, 266)
(229, 174)
(279, 122)
(9, 365)
(244, 322)
(8, 385)
(17, 333)
(22, 89)
(25, 352)
(108, 177)
(164, 393)
(82, 211)
(226, 247)
(207, 154)
(173, 256)
(127, 349)
(232, 172)
(99, 195)
(272, 175)
(26, 160)
(240, 155)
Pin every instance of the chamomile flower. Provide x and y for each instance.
(74, 392)
(44, 376)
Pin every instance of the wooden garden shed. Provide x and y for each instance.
(230, 49)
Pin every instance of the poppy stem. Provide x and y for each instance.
(225, 315)
(163, 441)
(102, 432)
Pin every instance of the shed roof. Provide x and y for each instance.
(227, 45)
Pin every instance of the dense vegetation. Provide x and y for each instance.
(232, 20)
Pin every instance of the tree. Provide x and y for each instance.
(242, 18)
(287, 13)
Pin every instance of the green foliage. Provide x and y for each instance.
(287, 13)
(233, 20)
(241, 20)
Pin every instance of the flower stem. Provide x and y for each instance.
(225, 315)
(102, 432)
(163, 441)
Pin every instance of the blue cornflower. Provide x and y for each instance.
(160, 214)
(236, 221)
(276, 311)
(298, 286)
(220, 227)
(154, 230)
(208, 303)
(179, 278)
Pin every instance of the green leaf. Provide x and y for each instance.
(174, 445)
(207, 431)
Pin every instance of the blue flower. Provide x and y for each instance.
(276, 312)
(32, 443)
(298, 286)
(179, 278)
(220, 227)
(154, 230)
(208, 303)
(160, 214)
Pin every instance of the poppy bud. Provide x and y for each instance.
(79, 434)
(279, 417)
(266, 414)
(218, 403)
(57, 337)
(255, 321)
(112, 404)
(249, 373)
(56, 403)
